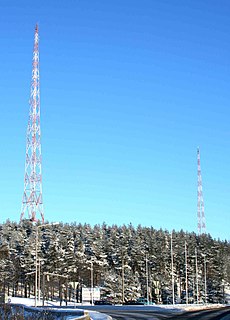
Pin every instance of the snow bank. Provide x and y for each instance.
(60, 312)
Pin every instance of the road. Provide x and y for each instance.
(148, 313)
(213, 314)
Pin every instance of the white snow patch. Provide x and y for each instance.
(30, 302)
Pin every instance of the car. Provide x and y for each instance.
(102, 302)
(133, 302)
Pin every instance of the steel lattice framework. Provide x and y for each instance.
(200, 200)
(32, 203)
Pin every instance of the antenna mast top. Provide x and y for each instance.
(200, 200)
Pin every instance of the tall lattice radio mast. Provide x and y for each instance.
(200, 200)
(32, 203)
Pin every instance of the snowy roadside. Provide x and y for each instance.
(194, 307)
(94, 315)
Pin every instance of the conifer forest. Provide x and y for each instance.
(126, 260)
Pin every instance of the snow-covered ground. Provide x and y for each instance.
(94, 315)
(29, 302)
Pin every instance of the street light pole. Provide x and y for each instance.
(205, 280)
(39, 279)
(173, 289)
(74, 284)
(147, 280)
(197, 292)
(123, 281)
(92, 284)
(186, 273)
(36, 267)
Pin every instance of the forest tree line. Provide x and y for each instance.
(126, 260)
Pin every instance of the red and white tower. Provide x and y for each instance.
(32, 203)
(200, 200)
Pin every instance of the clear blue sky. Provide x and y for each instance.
(129, 89)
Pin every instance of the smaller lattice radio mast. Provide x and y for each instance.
(32, 203)
(200, 200)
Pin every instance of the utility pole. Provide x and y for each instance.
(173, 287)
(32, 202)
